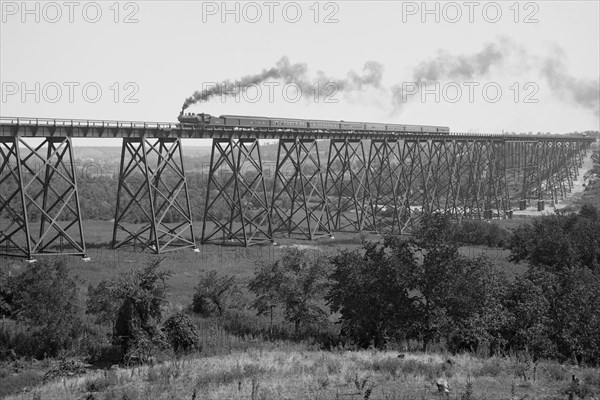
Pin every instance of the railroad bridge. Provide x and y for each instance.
(359, 181)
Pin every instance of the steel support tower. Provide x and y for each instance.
(39, 201)
(153, 206)
(236, 210)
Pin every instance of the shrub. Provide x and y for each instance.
(491, 367)
(137, 298)
(46, 301)
(214, 293)
(555, 372)
(181, 333)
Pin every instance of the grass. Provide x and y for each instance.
(187, 266)
(298, 373)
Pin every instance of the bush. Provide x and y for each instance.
(491, 367)
(182, 334)
(101, 383)
(46, 303)
(482, 233)
(137, 298)
(556, 372)
(214, 293)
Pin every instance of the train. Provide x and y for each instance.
(241, 121)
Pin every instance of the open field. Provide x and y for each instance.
(298, 373)
(187, 266)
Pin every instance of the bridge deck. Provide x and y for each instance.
(80, 128)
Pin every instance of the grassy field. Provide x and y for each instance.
(298, 373)
(187, 265)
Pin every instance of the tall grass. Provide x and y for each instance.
(300, 373)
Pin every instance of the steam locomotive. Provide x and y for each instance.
(191, 119)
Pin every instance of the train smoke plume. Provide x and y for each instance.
(449, 67)
(446, 66)
(584, 93)
(295, 74)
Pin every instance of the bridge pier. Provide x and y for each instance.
(236, 211)
(384, 168)
(153, 207)
(39, 202)
(299, 205)
(345, 184)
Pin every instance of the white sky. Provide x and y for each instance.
(170, 52)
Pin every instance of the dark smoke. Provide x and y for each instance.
(584, 93)
(297, 74)
(446, 67)
(449, 67)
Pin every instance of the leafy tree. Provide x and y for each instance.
(453, 296)
(475, 305)
(46, 298)
(101, 303)
(555, 306)
(296, 283)
(138, 297)
(399, 289)
(558, 241)
(578, 316)
(369, 291)
(214, 293)
(529, 326)
(435, 230)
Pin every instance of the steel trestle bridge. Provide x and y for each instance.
(366, 181)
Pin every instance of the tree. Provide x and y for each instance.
(46, 298)
(136, 310)
(370, 292)
(453, 296)
(213, 293)
(529, 326)
(435, 230)
(475, 305)
(555, 306)
(295, 283)
(558, 241)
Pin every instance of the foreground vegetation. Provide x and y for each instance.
(289, 373)
(410, 295)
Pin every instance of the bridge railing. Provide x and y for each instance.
(113, 124)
